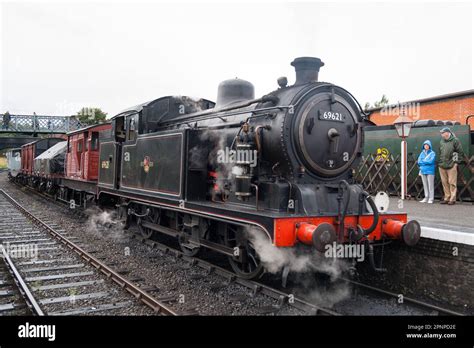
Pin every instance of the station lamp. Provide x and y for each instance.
(403, 126)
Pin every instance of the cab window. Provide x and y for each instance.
(95, 141)
(119, 129)
(132, 127)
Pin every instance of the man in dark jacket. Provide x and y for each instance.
(450, 154)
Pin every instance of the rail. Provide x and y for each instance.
(138, 293)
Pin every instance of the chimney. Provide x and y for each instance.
(307, 69)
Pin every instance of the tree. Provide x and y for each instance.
(91, 116)
(382, 102)
(378, 104)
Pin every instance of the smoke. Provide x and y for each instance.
(104, 223)
(192, 105)
(303, 264)
(323, 296)
(218, 142)
(197, 157)
(275, 259)
(207, 153)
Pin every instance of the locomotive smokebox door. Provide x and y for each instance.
(326, 134)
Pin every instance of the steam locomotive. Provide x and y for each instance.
(217, 175)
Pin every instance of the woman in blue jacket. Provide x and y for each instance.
(426, 162)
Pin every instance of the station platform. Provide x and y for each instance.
(451, 223)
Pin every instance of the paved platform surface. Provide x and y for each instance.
(453, 223)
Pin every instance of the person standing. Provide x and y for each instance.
(6, 120)
(35, 122)
(450, 153)
(427, 164)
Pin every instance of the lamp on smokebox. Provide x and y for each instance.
(403, 126)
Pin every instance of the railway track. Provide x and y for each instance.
(229, 278)
(54, 276)
(13, 291)
(404, 300)
(283, 298)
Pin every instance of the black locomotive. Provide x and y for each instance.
(215, 174)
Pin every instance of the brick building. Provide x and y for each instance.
(454, 107)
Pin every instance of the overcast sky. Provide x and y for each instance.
(57, 58)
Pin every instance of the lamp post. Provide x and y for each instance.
(403, 125)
